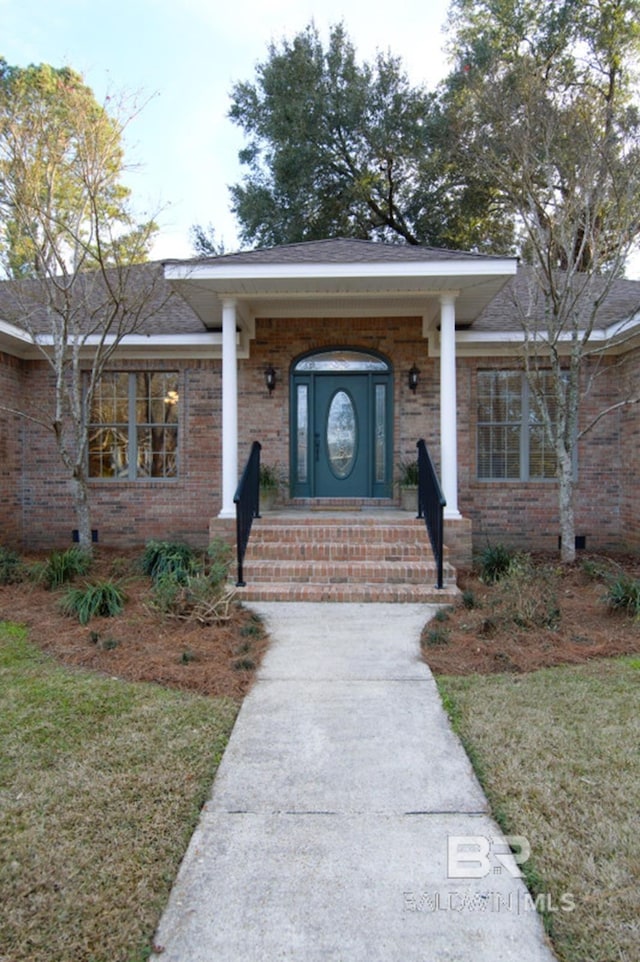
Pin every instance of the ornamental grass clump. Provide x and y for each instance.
(172, 559)
(623, 594)
(103, 599)
(494, 563)
(61, 567)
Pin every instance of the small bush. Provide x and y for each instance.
(527, 594)
(595, 569)
(219, 556)
(61, 567)
(469, 599)
(170, 558)
(11, 567)
(494, 563)
(442, 614)
(623, 594)
(102, 599)
(434, 637)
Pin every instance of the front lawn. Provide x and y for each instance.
(557, 753)
(101, 784)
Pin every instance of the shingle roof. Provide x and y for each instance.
(338, 250)
(164, 313)
(621, 303)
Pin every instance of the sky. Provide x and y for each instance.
(178, 60)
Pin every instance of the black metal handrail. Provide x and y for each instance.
(431, 505)
(247, 502)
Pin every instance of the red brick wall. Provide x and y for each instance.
(526, 515)
(630, 459)
(280, 341)
(131, 512)
(11, 427)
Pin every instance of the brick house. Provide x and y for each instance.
(338, 325)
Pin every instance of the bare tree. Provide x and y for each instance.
(550, 108)
(71, 249)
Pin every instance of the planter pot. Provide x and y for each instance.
(409, 498)
(267, 499)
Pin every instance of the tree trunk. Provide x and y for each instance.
(83, 519)
(567, 519)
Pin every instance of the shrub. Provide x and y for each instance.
(469, 599)
(169, 558)
(11, 568)
(219, 555)
(104, 599)
(434, 637)
(199, 594)
(623, 594)
(494, 563)
(528, 593)
(62, 566)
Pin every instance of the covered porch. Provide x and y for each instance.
(326, 333)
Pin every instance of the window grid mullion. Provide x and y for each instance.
(133, 430)
(525, 430)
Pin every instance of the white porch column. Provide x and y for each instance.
(229, 409)
(448, 405)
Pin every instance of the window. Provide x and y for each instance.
(512, 443)
(133, 426)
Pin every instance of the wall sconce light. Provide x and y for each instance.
(414, 375)
(270, 379)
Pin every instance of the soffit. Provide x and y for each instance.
(349, 290)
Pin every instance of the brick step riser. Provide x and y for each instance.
(312, 551)
(335, 574)
(297, 535)
(395, 594)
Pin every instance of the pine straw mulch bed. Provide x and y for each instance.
(141, 644)
(221, 660)
(485, 639)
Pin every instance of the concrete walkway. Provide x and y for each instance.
(334, 827)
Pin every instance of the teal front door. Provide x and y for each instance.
(341, 426)
(341, 436)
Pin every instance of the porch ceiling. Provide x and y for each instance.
(405, 288)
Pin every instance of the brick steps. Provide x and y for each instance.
(331, 556)
(395, 594)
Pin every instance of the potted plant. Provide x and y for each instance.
(269, 484)
(408, 481)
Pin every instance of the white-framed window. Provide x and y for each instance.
(133, 426)
(512, 444)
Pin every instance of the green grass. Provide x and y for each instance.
(101, 784)
(557, 753)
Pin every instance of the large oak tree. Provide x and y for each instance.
(336, 147)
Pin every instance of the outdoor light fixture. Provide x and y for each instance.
(270, 379)
(414, 374)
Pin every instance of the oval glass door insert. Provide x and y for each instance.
(342, 434)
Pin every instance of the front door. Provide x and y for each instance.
(341, 426)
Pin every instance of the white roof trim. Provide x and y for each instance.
(141, 346)
(239, 272)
